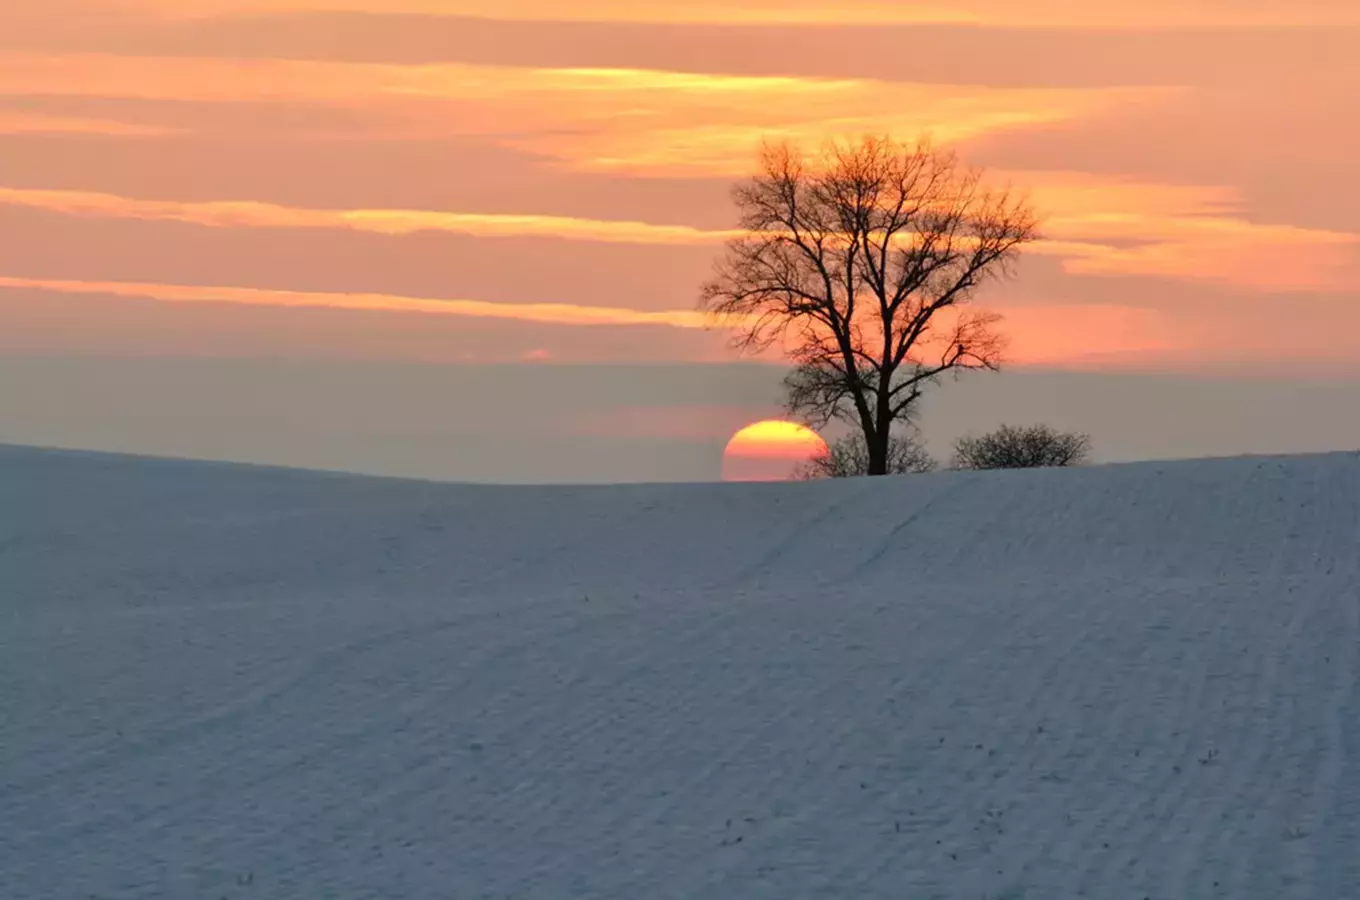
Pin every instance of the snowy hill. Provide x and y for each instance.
(1121, 682)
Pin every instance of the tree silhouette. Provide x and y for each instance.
(848, 457)
(1029, 447)
(862, 265)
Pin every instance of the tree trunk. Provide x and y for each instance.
(878, 453)
(881, 438)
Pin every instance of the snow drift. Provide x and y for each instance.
(1119, 682)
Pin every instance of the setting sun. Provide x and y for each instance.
(770, 450)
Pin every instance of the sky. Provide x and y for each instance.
(241, 228)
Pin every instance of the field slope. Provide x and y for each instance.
(1120, 682)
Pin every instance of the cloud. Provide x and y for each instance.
(1038, 334)
(1195, 233)
(52, 324)
(21, 122)
(546, 313)
(1059, 14)
(1232, 251)
(1104, 226)
(628, 121)
(250, 214)
(905, 53)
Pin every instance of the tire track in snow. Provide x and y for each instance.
(1339, 828)
(958, 484)
(1337, 811)
(1316, 786)
(1149, 817)
(240, 723)
(1243, 758)
(772, 557)
(1271, 835)
(1056, 693)
(432, 770)
(1242, 763)
(1109, 730)
(702, 631)
(1050, 768)
(589, 718)
(1133, 828)
(960, 836)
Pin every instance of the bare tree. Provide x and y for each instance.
(861, 265)
(848, 457)
(1029, 447)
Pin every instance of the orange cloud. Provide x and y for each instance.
(548, 313)
(15, 122)
(1186, 232)
(1229, 251)
(250, 214)
(1096, 225)
(660, 123)
(617, 120)
(1038, 334)
(1063, 14)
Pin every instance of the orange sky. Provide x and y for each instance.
(558, 169)
(566, 164)
(271, 203)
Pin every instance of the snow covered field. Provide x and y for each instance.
(1122, 682)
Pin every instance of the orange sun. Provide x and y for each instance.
(769, 451)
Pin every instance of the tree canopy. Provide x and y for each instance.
(861, 265)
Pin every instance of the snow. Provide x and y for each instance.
(1132, 681)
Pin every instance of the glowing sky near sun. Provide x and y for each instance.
(530, 176)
